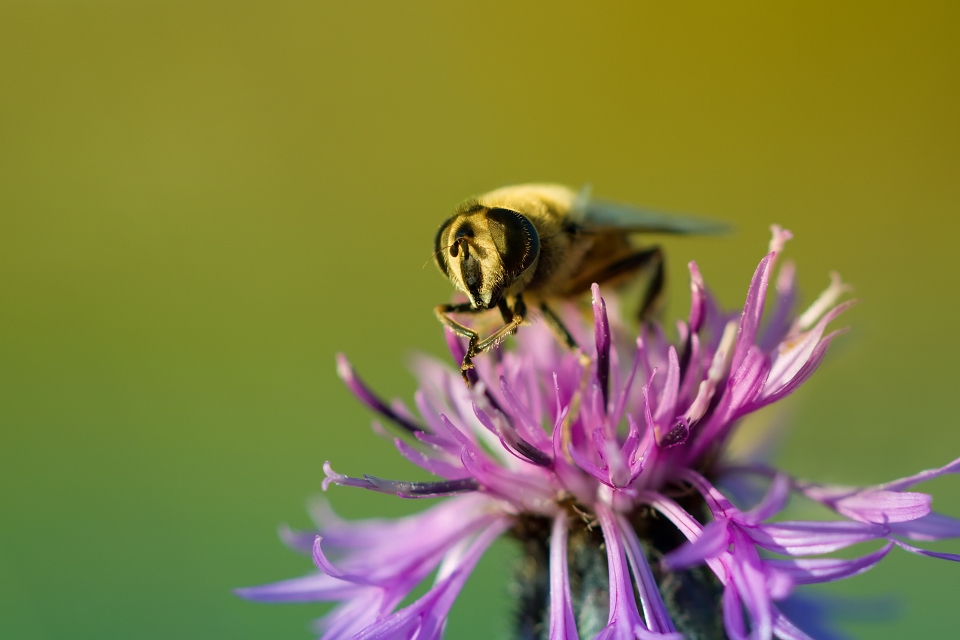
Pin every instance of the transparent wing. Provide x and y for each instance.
(600, 214)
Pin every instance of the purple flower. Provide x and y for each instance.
(607, 470)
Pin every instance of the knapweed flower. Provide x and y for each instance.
(608, 470)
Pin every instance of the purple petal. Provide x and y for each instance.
(823, 303)
(667, 404)
(429, 463)
(618, 470)
(923, 552)
(713, 540)
(625, 394)
(812, 538)
(870, 505)
(797, 351)
(779, 584)
(743, 386)
(719, 366)
(716, 501)
(374, 534)
(772, 503)
(301, 541)
(644, 634)
(746, 382)
(495, 478)
(733, 614)
(601, 329)
(884, 507)
(750, 579)
(654, 610)
(462, 439)
(403, 552)
(686, 523)
(318, 587)
(697, 294)
(786, 630)
(582, 461)
(647, 414)
(512, 441)
(562, 624)
(435, 433)
(779, 324)
(752, 311)
(402, 488)
(770, 395)
(400, 408)
(407, 489)
(646, 453)
(624, 615)
(632, 442)
(933, 526)
(585, 464)
(929, 474)
(342, 480)
(428, 613)
(328, 567)
(812, 571)
(366, 396)
(533, 432)
(347, 619)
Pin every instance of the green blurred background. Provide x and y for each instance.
(201, 203)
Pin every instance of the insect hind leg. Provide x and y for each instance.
(653, 294)
(620, 268)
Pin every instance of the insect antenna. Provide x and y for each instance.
(438, 252)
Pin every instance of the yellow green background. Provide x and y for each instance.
(201, 203)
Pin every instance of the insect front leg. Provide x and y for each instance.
(516, 315)
(476, 346)
(441, 312)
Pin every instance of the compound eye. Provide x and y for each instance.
(438, 248)
(516, 240)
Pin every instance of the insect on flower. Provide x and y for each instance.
(613, 477)
(531, 243)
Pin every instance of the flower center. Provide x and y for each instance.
(693, 597)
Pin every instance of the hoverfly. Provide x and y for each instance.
(536, 242)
